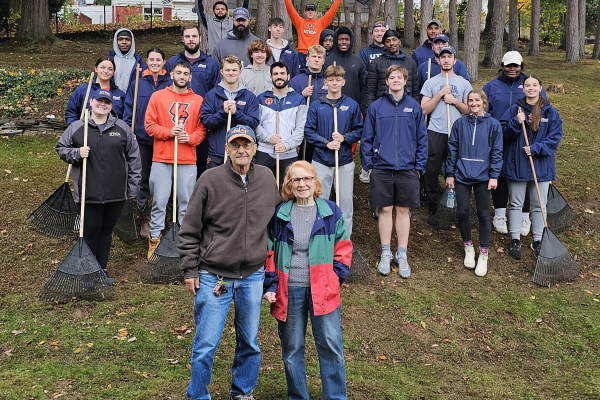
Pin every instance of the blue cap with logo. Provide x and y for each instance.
(441, 36)
(241, 131)
(447, 49)
(102, 94)
(240, 13)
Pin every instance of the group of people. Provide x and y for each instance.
(248, 109)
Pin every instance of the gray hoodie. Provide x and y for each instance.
(233, 46)
(124, 62)
(256, 80)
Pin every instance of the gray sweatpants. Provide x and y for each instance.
(516, 193)
(327, 176)
(161, 180)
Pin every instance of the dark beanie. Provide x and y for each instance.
(220, 2)
(125, 33)
(390, 33)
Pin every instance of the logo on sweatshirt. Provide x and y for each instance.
(111, 134)
(201, 65)
(183, 113)
(544, 120)
(407, 109)
(268, 101)
(288, 51)
(344, 108)
(241, 103)
(311, 29)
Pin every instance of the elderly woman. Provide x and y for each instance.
(309, 258)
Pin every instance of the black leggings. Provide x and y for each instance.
(482, 201)
(500, 195)
(146, 152)
(100, 219)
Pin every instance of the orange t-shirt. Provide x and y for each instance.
(309, 30)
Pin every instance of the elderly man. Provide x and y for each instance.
(223, 239)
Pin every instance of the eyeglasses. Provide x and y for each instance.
(236, 146)
(306, 179)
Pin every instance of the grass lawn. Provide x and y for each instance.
(442, 334)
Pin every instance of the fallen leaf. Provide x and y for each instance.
(8, 352)
(435, 345)
(532, 297)
(179, 331)
(90, 345)
(120, 313)
(382, 357)
(172, 361)
(487, 348)
(188, 366)
(449, 259)
(595, 299)
(122, 332)
(25, 180)
(17, 332)
(539, 320)
(595, 274)
(41, 343)
(423, 324)
(587, 210)
(588, 292)
(453, 226)
(16, 179)
(132, 339)
(109, 386)
(53, 343)
(446, 340)
(8, 171)
(77, 351)
(428, 365)
(500, 250)
(108, 322)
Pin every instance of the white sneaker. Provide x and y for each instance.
(500, 224)
(469, 257)
(481, 268)
(364, 176)
(525, 226)
(403, 266)
(383, 268)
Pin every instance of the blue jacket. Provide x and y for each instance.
(422, 53)
(205, 72)
(214, 118)
(75, 104)
(395, 135)
(474, 149)
(289, 55)
(319, 127)
(146, 87)
(459, 69)
(543, 143)
(138, 60)
(300, 82)
(503, 93)
(370, 53)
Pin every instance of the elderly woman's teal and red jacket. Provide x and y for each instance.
(329, 253)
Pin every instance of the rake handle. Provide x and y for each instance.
(87, 95)
(228, 128)
(337, 161)
(175, 166)
(68, 173)
(83, 175)
(537, 187)
(307, 105)
(277, 154)
(135, 97)
(447, 107)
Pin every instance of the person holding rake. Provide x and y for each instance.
(473, 164)
(544, 131)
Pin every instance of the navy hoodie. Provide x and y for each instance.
(423, 52)
(205, 72)
(300, 82)
(475, 149)
(503, 93)
(75, 104)
(370, 53)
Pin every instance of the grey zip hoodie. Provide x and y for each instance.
(234, 46)
(123, 62)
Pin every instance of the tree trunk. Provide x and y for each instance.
(373, 11)
(347, 12)
(488, 20)
(34, 25)
(596, 52)
(262, 19)
(426, 14)
(390, 13)
(453, 22)
(239, 3)
(513, 25)
(358, 39)
(572, 31)
(493, 48)
(471, 43)
(582, 28)
(409, 24)
(534, 37)
(303, 4)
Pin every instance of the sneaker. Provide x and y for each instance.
(515, 249)
(469, 257)
(536, 247)
(242, 397)
(383, 268)
(481, 268)
(403, 267)
(525, 226)
(364, 176)
(376, 213)
(500, 224)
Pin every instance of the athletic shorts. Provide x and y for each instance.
(394, 188)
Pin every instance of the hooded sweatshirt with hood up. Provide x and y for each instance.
(216, 28)
(326, 32)
(355, 69)
(125, 63)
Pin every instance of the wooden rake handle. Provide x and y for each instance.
(447, 108)
(277, 154)
(228, 128)
(135, 97)
(83, 175)
(87, 95)
(175, 166)
(337, 161)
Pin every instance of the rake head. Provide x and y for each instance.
(126, 228)
(360, 268)
(446, 216)
(560, 215)
(58, 216)
(163, 266)
(78, 277)
(554, 264)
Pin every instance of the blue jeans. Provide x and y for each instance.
(328, 339)
(210, 312)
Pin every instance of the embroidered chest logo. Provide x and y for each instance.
(409, 110)
(183, 113)
(344, 108)
(241, 103)
(117, 134)
(268, 101)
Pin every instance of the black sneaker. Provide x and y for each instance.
(515, 249)
(536, 247)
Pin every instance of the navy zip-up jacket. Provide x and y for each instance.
(475, 149)
(214, 118)
(300, 82)
(542, 143)
(289, 55)
(423, 52)
(75, 104)
(146, 87)
(395, 135)
(459, 69)
(319, 127)
(205, 72)
(503, 93)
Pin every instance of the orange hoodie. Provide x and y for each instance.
(310, 29)
(160, 119)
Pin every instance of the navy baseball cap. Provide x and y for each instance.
(102, 94)
(240, 13)
(241, 131)
(441, 36)
(447, 49)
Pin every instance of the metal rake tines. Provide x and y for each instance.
(550, 271)
(63, 287)
(162, 270)
(55, 223)
(126, 227)
(359, 269)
